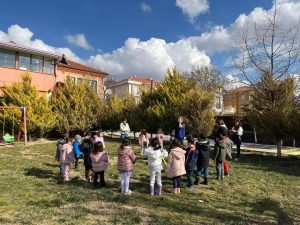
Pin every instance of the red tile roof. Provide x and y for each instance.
(142, 79)
(76, 66)
(240, 89)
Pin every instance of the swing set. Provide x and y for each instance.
(10, 138)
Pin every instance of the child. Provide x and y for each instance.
(160, 137)
(100, 138)
(155, 155)
(203, 147)
(175, 168)
(221, 151)
(77, 152)
(191, 157)
(143, 139)
(59, 145)
(100, 162)
(126, 161)
(87, 147)
(66, 158)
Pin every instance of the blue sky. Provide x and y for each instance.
(107, 25)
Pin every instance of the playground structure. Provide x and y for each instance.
(10, 138)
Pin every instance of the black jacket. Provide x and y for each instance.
(87, 147)
(191, 157)
(203, 147)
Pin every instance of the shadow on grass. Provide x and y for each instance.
(269, 205)
(284, 165)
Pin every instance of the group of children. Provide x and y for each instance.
(186, 157)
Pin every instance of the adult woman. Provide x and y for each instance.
(237, 132)
(124, 128)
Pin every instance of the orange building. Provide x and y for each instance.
(46, 69)
(234, 100)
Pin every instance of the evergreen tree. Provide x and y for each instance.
(40, 117)
(78, 106)
(271, 107)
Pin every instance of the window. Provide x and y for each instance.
(79, 80)
(93, 84)
(135, 90)
(37, 64)
(48, 66)
(7, 58)
(242, 96)
(73, 79)
(218, 103)
(24, 61)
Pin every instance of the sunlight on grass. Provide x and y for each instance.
(260, 190)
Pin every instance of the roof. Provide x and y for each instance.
(142, 79)
(240, 89)
(79, 67)
(16, 47)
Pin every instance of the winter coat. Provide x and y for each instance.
(155, 158)
(142, 140)
(99, 161)
(100, 139)
(176, 163)
(203, 147)
(77, 151)
(66, 154)
(191, 157)
(160, 138)
(124, 127)
(87, 147)
(237, 133)
(222, 132)
(223, 149)
(126, 159)
(180, 131)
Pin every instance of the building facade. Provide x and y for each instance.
(46, 69)
(133, 86)
(235, 100)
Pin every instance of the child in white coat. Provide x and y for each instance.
(155, 155)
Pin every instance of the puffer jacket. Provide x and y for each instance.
(191, 157)
(126, 159)
(203, 147)
(155, 158)
(99, 161)
(66, 154)
(222, 149)
(176, 163)
(142, 140)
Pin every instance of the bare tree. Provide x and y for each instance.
(268, 54)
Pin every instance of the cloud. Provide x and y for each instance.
(145, 8)
(79, 40)
(193, 8)
(24, 37)
(233, 82)
(149, 58)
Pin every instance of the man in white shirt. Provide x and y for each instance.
(124, 128)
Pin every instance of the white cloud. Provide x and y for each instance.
(79, 40)
(150, 58)
(193, 8)
(232, 82)
(23, 36)
(145, 7)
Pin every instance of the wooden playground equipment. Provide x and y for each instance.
(10, 138)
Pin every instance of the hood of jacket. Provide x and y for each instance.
(125, 150)
(177, 153)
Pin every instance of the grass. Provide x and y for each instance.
(260, 190)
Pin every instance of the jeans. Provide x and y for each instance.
(124, 136)
(176, 182)
(61, 168)
(200, 171)
(125, 179)
(66, 171)
(102, 182)
(76, 161)
(189, 174)
(220, 169)
(155, 175)
(238, 148)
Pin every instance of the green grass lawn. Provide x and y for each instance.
(260, 190)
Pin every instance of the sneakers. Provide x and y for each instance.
(129, 192)
(236, 159)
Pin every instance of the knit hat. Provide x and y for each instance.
(77, 137)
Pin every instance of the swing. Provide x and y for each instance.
(7, 138)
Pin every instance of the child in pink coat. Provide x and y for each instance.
(160, 136)
(99, 137)
(99, 163)
(143, 139)
(176, 165)
(66, 158)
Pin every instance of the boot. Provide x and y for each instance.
(158, 190)
(151, 190)
(197, 181)
(205, 181)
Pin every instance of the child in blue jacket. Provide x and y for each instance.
(77, 152)
(191, 158)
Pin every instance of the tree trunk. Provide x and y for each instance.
(255, 137)
(294, 142)
(279, 148)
